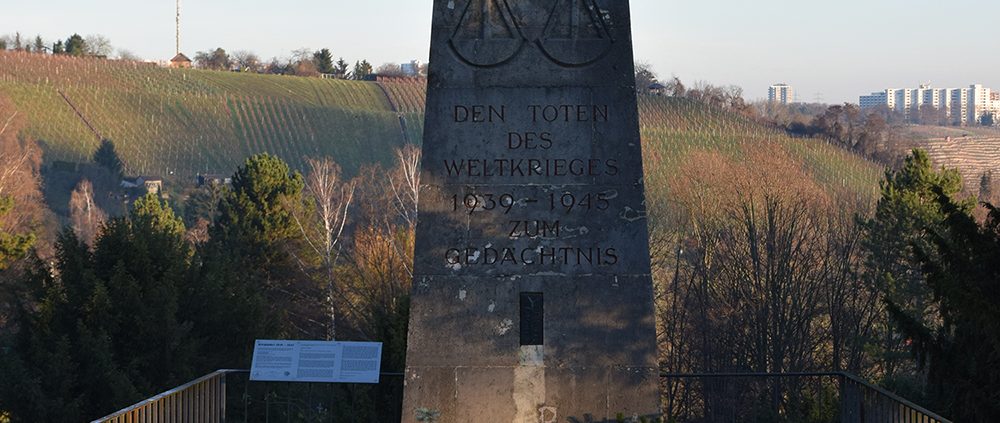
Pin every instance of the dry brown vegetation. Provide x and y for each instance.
(757, 270)
(20, 162)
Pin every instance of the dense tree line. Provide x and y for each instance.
(302, 62)
(872, 134)
(74, 45)
(728, 97)
(141, 308)
(761, 270)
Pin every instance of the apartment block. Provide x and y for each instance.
(781, 94)
(961, 105)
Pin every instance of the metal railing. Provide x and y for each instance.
(831, 397)
(864, 402)
(201, 400)
(230, 396)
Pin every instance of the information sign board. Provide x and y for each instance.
(316, 361)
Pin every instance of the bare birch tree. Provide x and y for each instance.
(404, 184)
(85, 215)
(331, 198)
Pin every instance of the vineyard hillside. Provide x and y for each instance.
(974, 151)
(185, 122)
(676, 130)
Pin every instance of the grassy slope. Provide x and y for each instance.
(191, 121)
(201, 121)
(672, 129)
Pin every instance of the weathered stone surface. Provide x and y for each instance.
(532, 183)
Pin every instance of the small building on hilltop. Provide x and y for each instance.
(657, 89)
(214, 179)
(151, 184)
(180, 61)
(396, 78)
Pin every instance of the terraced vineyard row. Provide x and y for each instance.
(973, 156)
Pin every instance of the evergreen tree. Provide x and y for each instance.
(107, 157)
(962, 268)
(340, 69)
(58, 48)
(324, 61)
(255, 208)
(249, 265)
(39, 44)
(361, 70)
(986, 187)
(13, 246)
(916, 211)
(106, 331)
(892, 236)
(907, 206)
(75, 45)
(143, 260)
(39, 374)
(44, 375)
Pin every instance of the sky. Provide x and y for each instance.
(829, 51)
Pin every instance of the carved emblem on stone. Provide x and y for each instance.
(576, 33)
(486, 34)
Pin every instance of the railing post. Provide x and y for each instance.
(224, 397)
(850, 401)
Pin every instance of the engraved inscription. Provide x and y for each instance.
(540, 256)
(538, 141)
(542, 168)
(520, 226)
(534, 229)
(480, 114)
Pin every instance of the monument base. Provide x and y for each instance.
(590, 368)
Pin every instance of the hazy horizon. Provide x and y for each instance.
(832, 53)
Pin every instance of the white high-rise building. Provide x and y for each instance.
(781, 94)
(960, 105)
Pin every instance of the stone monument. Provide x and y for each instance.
(532, 297)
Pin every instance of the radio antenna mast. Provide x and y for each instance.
(178, 46)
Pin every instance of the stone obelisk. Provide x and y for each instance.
(532, 297)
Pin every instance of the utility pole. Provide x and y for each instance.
(178, 27)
